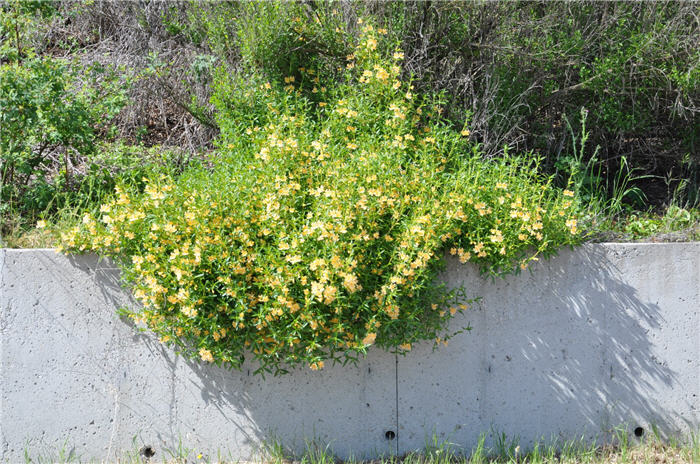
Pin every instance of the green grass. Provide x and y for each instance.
(621, 450)
(675, 224)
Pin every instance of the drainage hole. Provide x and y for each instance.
(638, 432)
(389, 434)
(147, 452)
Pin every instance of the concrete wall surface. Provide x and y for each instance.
(605, 335)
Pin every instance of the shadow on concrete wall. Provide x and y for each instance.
(348, 409)
(611, 372)
(568, 350)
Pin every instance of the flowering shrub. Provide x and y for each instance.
(323, 225)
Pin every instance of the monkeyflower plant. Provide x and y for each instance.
(323, 225)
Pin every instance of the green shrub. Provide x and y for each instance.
(323, 225)
(48, 125)
(52, 112)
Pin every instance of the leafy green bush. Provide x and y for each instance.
(674, 219)
(40, 108)
(323, 225)
(51, 115)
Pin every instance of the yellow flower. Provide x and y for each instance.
(317, 290)
(350, 283)
(189, 311)
(123, 199)
(464, 256)
(382, 75)
(465, 133)
(316, 366)
(329, 294)
(336, 262)
(206, 355)
(316, 263)
(136, 215)
(154, 193)
(369, 339)
(405, 346)
(392, 311)
(568, 193)
(40, 224)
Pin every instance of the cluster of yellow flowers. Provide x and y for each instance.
(322, 227)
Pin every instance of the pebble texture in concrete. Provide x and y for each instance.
(605, 335)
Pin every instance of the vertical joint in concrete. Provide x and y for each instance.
(2, 342)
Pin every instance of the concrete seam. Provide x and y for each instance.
(396, 371)
(2, 344)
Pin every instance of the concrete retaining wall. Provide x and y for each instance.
(605, 335)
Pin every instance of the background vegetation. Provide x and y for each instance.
(129, 84)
